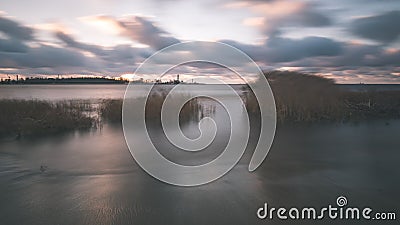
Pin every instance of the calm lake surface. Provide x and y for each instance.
(84, 91)
(91, 177)
(61, 92)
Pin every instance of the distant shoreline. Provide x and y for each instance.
(359, 87)
(139, 83)
(71, 80)
(95, 81)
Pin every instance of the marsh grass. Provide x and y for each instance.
(302, 97)
(299, 98)
(34, 117)
(110, 110)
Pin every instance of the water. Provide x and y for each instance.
(91, 177)
(369, 87)
(84, 91)
(61, 92)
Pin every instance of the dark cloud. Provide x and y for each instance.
(12, 45)
(286, 49)
(71, 42)
(354, 57)
(69, 59)
(366, 55)
(153, 35)
(112, 57)
(43, 56)
(310, 17)
(324, 56)
(15, 37)
(14, 29)
(278, 49)
(383, 28)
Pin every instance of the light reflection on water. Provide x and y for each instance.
(92, 178)
(98, 91)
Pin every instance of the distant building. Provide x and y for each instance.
(176, 81)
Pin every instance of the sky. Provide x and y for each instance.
(349, 41)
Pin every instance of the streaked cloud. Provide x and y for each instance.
(14, 29)
(285, 13)
(140, 29)
(383, 27)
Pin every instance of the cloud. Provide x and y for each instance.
(383, 28)
(343, 61)
(142, 30)
(366, 55)
(119, 54)
(286, 49)
(14, 29)
(285, 13)
(355, 57)
(71, 42)
(72, 57)
(278, 49)
(12, 45)
(21, 53)
(15, 36)
(42, 56)
(310, 17)
(15, 53)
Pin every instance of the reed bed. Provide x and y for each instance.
(302, 97)
(34, 117)
(111, 109)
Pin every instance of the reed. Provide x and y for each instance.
(302, 97)
(111, 109)
(32, 117)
